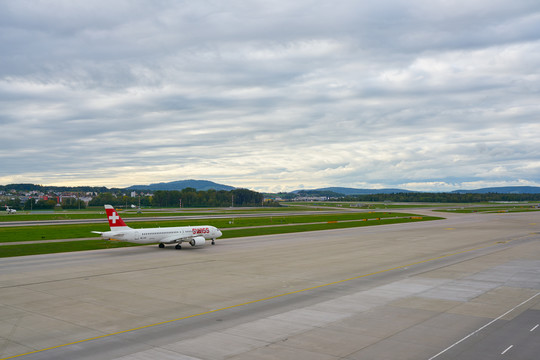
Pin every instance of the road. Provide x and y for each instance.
(407, 291)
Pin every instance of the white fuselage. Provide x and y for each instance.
(168, 235)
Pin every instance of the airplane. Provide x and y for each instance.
(194, 235)
(9, 210)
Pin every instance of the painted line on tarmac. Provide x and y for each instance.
(485, 326)
(251, 302)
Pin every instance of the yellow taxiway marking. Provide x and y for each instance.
(250, 302)
(450, 229)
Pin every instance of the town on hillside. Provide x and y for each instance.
(48, 199)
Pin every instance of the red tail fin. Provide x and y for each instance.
(115, 220)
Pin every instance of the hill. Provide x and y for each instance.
(350, 191)
(199, 185)
(503, 190)
(353, 191)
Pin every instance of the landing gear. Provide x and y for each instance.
(178, 247)
(161, 245)
(213, 242)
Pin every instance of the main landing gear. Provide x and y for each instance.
(177, 247)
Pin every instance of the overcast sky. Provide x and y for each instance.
(271, 95)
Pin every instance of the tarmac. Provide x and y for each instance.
(467, 287)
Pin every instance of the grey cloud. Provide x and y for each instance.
(277, 94)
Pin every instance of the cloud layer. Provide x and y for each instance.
(427, 95)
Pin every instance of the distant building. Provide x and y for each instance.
(311, 198)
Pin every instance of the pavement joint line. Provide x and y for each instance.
(266, 299)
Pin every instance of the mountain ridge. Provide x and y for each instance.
(204, 185)
(503, 190)
(357, 191)
(199, 185)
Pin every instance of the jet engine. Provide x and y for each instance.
(197, 241)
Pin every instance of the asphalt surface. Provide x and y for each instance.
(402, 291)
(505, 339)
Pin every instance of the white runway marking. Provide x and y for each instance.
(534, 328)
(508, 348)
(485, 326)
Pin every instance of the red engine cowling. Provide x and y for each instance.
(197, 241)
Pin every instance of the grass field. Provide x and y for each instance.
(53, 232)
(58, 247)
(98, 213)
(491, 209)
(275, 224)
(231, 226)
(362, 205)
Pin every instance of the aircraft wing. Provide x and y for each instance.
(175, 239)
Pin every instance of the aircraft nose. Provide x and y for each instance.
(219, 233)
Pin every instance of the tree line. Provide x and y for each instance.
(42, 204)
(188, 197)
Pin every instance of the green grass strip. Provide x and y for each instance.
(23, 215)
(490, 210)
(316, 227)
(83, 245)
(55, 232)
(59, 247)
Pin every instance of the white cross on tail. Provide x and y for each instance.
(114, 217)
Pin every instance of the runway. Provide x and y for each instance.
(407, 291)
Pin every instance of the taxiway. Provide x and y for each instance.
(407, 291)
